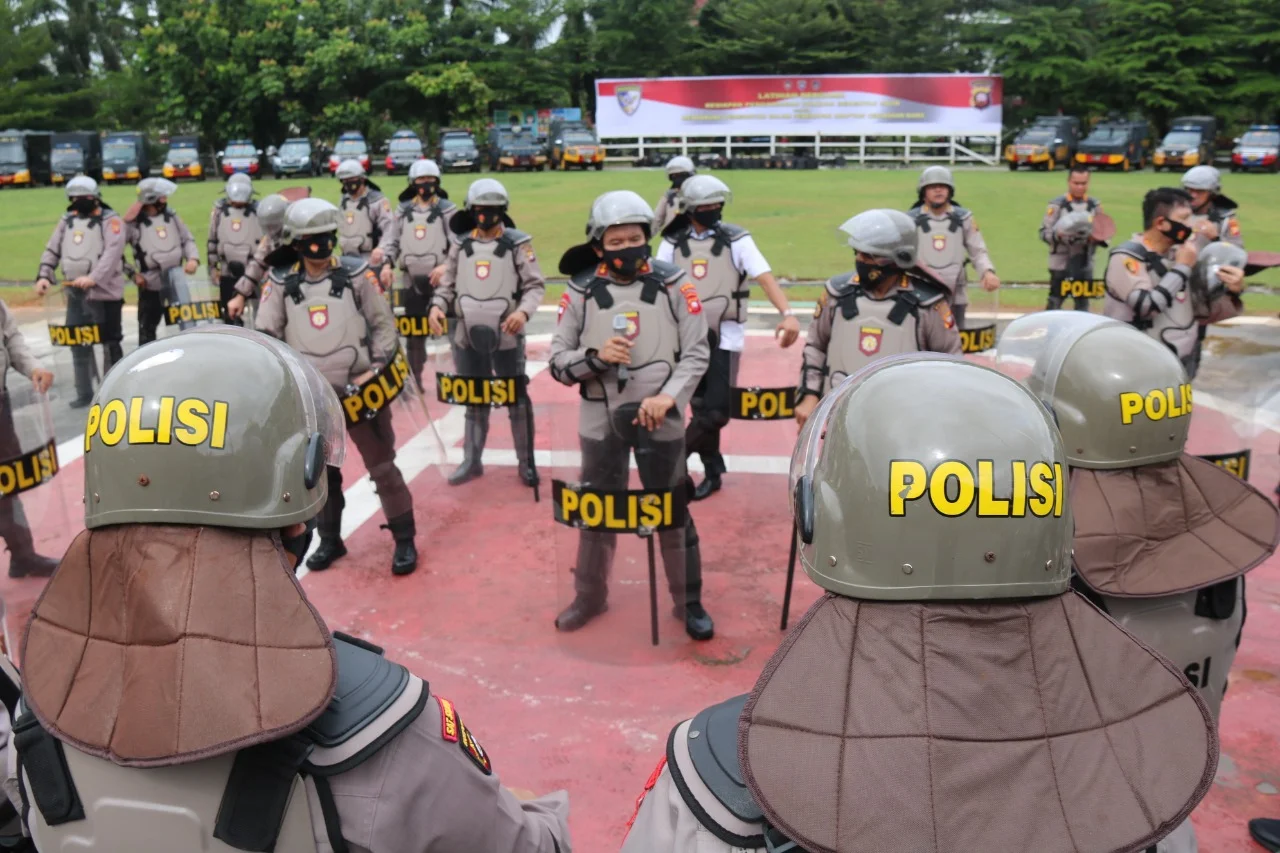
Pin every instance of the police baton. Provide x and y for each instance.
(620, 330)
(791, 576)
(644, 456)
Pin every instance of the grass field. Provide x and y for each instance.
(793, 215)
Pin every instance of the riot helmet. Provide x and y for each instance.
(883, 233)
(239, 188)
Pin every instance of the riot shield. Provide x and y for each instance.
(480, 371)
(84, 341)
(188, 302)
(410, 298)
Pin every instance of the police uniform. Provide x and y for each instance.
(666, 209)
(931, 698)
(1221, 211)
(669, 356)
(256, 269)
(1152, 293)
(180, 691)
(1068, 259)
(160, 243)
(485, 281)
(947, 238)
(420, 240)
(235, 236)
(94, 246)
(366, 223)
(343, 326)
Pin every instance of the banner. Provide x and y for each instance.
(776, 105)
(495, 392)
(763, 404)
(979, 339)
(1095, 288)
(620, 511)
(364, 403)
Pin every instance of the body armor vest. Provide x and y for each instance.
(708, 262)
(324, 323)
(82, 244)
(424, 240)
(487, 285)
(1079, 255)
(941, 243)
(1175, 327)
(1199, 631)
(160, 242)
(355, 225)
(866, 329)
(238, 233)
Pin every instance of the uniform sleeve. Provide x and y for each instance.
(660, 214)
(385, 222)
(189, 248)
(665, 823)
(391, 237)
(447, 289)
(383, 336)
(571, 363)
(813, 364)
(52, 254)
(108, 269)
(938, 331)
(1127, 281)
(269, 318)
(1231, 231)
(1051, 217)
(666, 251)
(255, 270)
(533, 284)
(15, 344)
(211, 245)
(695, 350)
(131, 237)
(976, 246)
(424, 794)
(748, 258)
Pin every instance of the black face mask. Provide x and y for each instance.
(625, 263)
(161, 207)
(426, 190)
(84, 206)
(298, 545)
(707, 218)
(351, 187)
(871, 275)
(318, 248)
(488, 219)
(1177, 232)
(678, 179)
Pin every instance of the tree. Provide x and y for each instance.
(776, 37)
(1048, 56)
(32, 94)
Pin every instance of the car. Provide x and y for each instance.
(183, 159)
(457, 151)
(76, 153)
(295, 156)
(1116, 145)
(576, 146)
(125, 157)
(515, 148)
(1190, 142)
(242, 156)
(1050, 142)
(24, 158)
(350, 146)
(1259, 148)
(403, 149)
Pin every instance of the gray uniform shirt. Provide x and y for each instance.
(1060, 250)
(16, 353)
(107, 272)
(532, 283)
(133, 233)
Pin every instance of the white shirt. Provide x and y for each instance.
(743, 251)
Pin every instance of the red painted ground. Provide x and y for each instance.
(590, 712)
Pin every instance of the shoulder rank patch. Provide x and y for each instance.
(474, 750)
(822, 303)
(448, 720)
(648, 786)
(690, 294)
(1131, 264)
(564, 303)
(973, 220)
(1051, 209)
(528, 253)
(115, 225)
(1233, 227)
(266, 291)
(372, 277)
(944, 311)
(386, 204)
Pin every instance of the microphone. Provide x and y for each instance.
(620, 329)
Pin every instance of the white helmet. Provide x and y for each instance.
(936, 175)
(487, 192)
(349, 169)
(679, 164)
(82, 185)
(239, 188)
(620, 207)
(151, 190)
(423, 169)
(309, 216)
(704, 189)
(1202, 178)
(884, 233)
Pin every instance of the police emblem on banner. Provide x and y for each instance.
(939, 242)
(162, 232)
(319, 315)
(980, 94)
(77, 237)
(629, 96)
(482, 269)
(633, 325)
(699, 268)
(869, 339)
(419, 232)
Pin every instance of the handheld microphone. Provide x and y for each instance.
(619, 330)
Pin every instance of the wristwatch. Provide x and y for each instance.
(788, 313)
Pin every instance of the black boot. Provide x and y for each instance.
(31, 565)
(472, 449)
(579, 613)
(402, 528)
(329, 550)
(709, 486)
(1266, 831)
(522, 438)
(697, 621)
(80, 402)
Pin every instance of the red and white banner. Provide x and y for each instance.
(780, 105)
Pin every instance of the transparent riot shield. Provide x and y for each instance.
(410, 298)
(84, 340)
(188, 302)
(481, 371)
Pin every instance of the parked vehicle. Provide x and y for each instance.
(74, 153)
(403, 149)
(1116, 145)
(515, 148)
(296, 156)
(1050, 142)
(125, 157)
(350, 146)
(457, 150)
(1259, 148)
(25, 158)
(241, 155)
(183, 159)
(575, 146)
(1191, 141)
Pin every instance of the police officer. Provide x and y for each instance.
(612, 275)
(273, 732)
(329, 309)
(949, 236)
(1213, 218)
(420, 241)
(161, 242)
(696, 241)
(366, 225)
(1148, 277)
(886, 306)
(234, 235)
(1162, 538)
(492, 285)
(88, 243)
(23, 559)
(1066, 227)
(679, 170)
(949, 691)
(271, 211)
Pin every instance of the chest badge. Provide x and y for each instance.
(77, 237)
(699, 271)
(162, 232)
(351, 218)
(419, 232)
(633, 325)
(235, 225)
(1182, 296)
(939, 242)
(482, 269)
(869, 340)
(319, 315)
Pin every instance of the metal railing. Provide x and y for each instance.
(978, 149)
